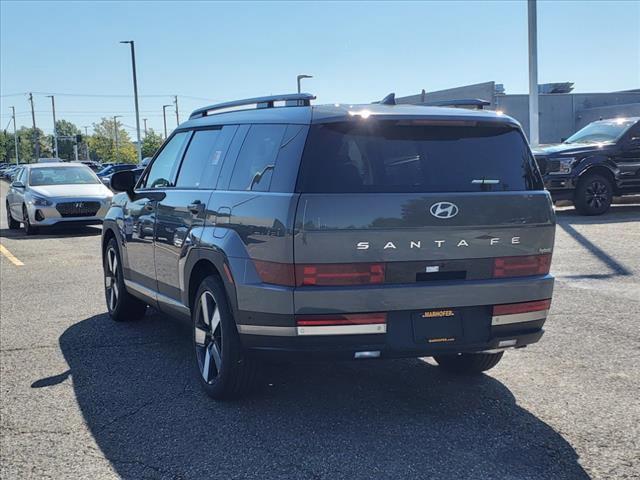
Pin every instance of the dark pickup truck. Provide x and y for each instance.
(598, 162)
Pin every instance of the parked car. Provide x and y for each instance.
(360, 231)
(111, 169)
(8, 173)
(95, 166)
(594, 164)
(137, 172)
(49, 160)
(44, 194)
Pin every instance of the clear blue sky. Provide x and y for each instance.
(358, 52)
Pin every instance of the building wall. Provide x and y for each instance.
(561, 114)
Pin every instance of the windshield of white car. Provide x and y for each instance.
(602, 131)
(62, 176)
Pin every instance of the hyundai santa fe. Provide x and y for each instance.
(284, 229)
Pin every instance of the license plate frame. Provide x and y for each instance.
(437, 326)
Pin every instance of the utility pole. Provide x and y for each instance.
(534, 127)
(145, 127)
(175, 99)
(135, 96)
(115, 131)
(15, 132)
(36, 140)
(164, 118)
(55, 131)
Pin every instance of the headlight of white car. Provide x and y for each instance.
(39, 201)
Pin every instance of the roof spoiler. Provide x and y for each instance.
(290, 100)
(463, 102)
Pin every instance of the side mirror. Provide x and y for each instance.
(123, 181)
(17, 184)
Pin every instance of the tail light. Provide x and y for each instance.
(276, 273)
(521, 266)
(340, 274)
(328, 274)
(514, 308)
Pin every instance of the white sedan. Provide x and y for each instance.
(46, 194)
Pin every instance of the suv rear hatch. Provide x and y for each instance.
(401, 202)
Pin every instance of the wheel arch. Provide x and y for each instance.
(603, 170)
(210, 263)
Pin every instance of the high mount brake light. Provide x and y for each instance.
(521, 266)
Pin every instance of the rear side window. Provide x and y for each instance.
(163, 169)
(401, 157)
(257, 158)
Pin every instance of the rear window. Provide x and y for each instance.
(383, 156)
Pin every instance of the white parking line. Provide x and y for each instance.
(10, 256)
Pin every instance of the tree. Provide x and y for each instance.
(26, 148)
(7, 147)
(65, 128)
(151, 143)
(103, 143)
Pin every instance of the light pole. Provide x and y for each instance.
(300, 77)
(135, 96)
(15, 131)
(175, 100)
(534, 127)
(55, 130)
(86, 141)
(164, 118)
(115, 131)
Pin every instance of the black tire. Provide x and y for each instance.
(468, 363)
(26, 224)
(593, 195)
(13, 224)
(121, 305)
(224, 370)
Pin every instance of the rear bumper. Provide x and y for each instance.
(277, 334)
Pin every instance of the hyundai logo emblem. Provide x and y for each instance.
(79, 204)
(444, 210)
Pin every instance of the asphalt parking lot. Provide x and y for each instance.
(83, 397)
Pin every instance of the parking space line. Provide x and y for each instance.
(10, 256)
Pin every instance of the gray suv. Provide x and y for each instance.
(347, 231)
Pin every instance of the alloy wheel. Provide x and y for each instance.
(111, 279)
(208, 337)
(597, 194)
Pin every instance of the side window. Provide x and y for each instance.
(257, 158)
(163, 170)
(203, 161)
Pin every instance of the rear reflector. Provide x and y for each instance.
(352, 319)
(351, 324)
(521, 266)
(515, 308)
(340, 274)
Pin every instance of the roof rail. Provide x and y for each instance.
(463, 102)
(290, 99)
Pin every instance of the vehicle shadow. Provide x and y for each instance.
(138, 392)
(52, 232)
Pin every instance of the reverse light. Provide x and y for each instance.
(521, 266)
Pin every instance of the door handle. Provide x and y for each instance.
(196, 207)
